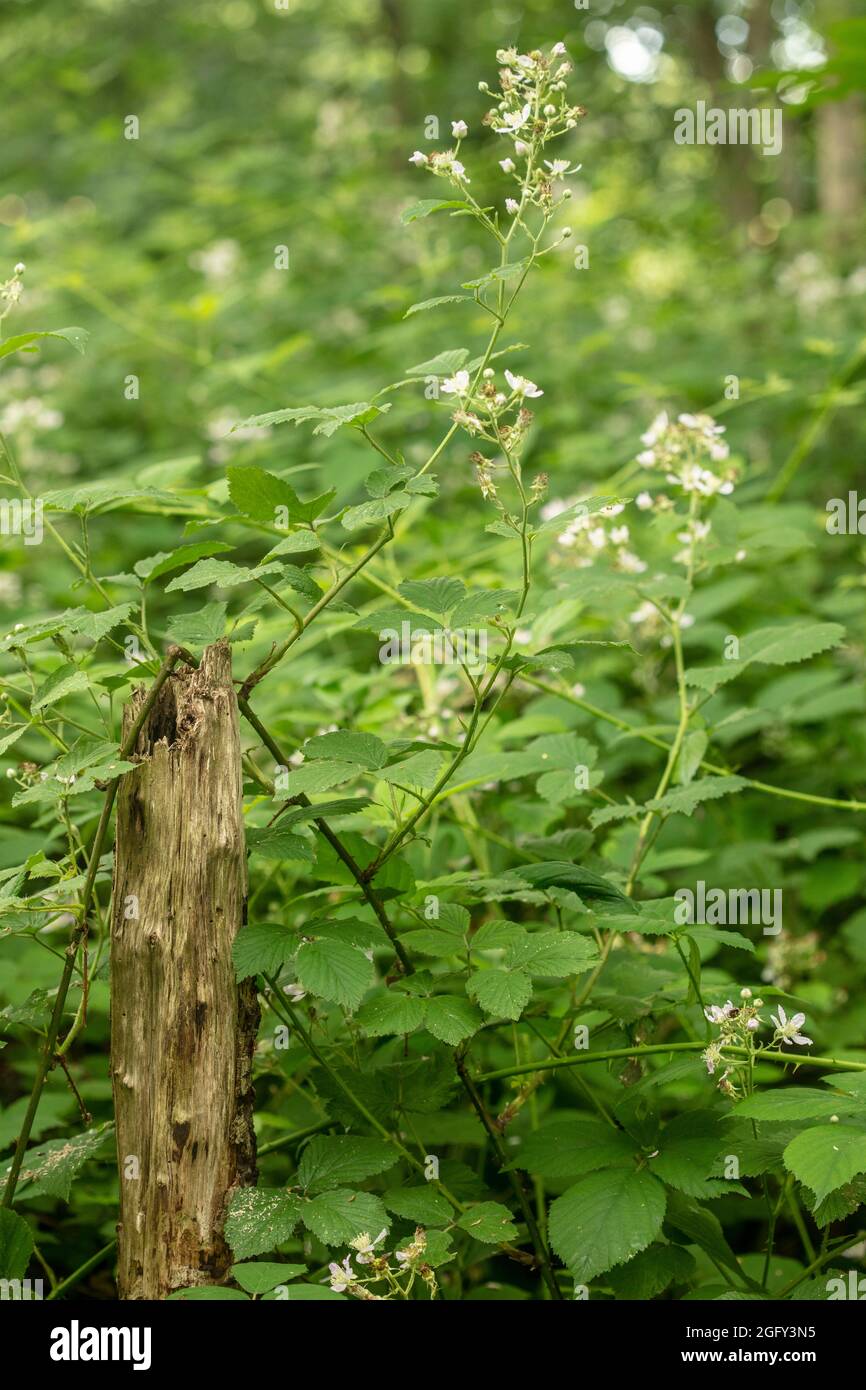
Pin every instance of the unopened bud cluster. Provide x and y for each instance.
(11, 290)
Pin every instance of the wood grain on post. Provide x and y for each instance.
(182, 1030)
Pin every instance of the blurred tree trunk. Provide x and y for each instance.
(182, 1030)
(395, 28)
(840, 145)
(738, 193)
(840, 148)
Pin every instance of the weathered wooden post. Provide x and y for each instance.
(182, 1030)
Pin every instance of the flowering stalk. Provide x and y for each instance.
(376, 1269)
(531, 111)
(578, 1059)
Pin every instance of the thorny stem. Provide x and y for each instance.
(473, 732)
(804, 444)
(334, 841)
(649, 1049)
(646, 737)
(294, 1138)
(504, 310)
(822, 1259)
(278, 652)
(516, 1181)
(685, 712)
(281, 1006)
(312, 1048)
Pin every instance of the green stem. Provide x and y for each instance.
(804, 444)
(80, 1272)
(536, 1237)
(824, 1258)
(294, 1138)
(334, 841)
(648, 1049)
(797, 1217)
(336, 588)
(277, 998)
(708, 767)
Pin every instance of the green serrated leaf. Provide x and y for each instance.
(16, 1245)
(263, 949)
(451, 1019)
(332, 970)
(259, 1219)
(340, 1215)
(334, 1160)
(798, 1103)
(573, 1148)
(390, 1012)
(279, 844)
(826, 1156)
(423, 1205)
(552, 954)
(263, 1275)
(502, 993)
(221, 573)
(434, 303)
(23, 342)
(366, 750)
(684, 800)
(51, 1168)
(66, 680)
(424, 207)
(489, 1222)
(606, 1219)
(437, 595)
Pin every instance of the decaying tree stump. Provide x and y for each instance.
(182, 1030)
